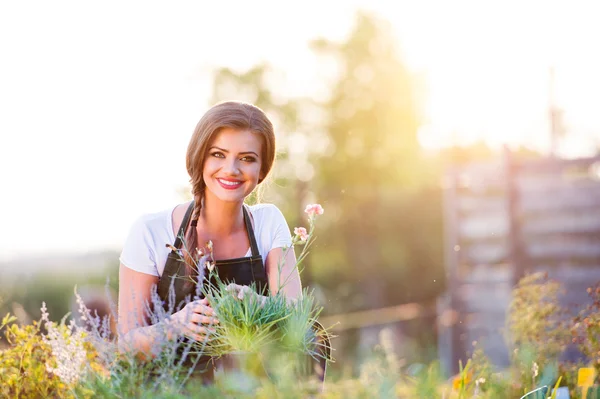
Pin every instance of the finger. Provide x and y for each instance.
(198, 337)
(196, 329)
(199, 302)
(202, 309)
(192, 306)
(201, 319)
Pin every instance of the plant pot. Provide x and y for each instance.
(245, 362)
(239, 371)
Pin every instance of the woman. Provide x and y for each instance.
(231, 151)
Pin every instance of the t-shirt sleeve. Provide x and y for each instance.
(281, 231)
(138, 251)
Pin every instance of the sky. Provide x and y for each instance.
(98, 99)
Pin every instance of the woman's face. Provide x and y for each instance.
(232, 164)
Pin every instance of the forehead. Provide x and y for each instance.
(236, 140)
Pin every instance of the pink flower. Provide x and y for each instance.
(314, 209)
(301, 233)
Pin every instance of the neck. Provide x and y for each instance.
(219, 218)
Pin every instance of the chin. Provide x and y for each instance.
(230, 197)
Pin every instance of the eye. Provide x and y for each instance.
(217, 154)
(249, 159)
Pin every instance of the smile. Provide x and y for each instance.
(229, 184)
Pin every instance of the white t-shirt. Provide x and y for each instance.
(145, 248)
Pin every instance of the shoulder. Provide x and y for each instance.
(263, 208)
(153, 228)
(271, 228)
(152, 222)
(142, 250)
(264, 213)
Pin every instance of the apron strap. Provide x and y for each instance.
(247, 222)
(184, 225)
(250, 231)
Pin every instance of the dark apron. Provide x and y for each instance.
(242, 271)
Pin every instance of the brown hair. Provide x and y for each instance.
(230, 114)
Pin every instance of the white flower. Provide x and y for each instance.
(68, 352)
(210, 266)
(535, 369)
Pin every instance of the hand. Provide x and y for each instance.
(240, 291)
(193, 320)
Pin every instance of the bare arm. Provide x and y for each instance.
(134, 292)
(283, 274)
(136, 336)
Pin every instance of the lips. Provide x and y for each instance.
(229, 184)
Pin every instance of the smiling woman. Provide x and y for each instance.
(231, 151)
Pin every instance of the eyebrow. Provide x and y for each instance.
(241, 153)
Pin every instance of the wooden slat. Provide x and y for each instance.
(481, 178)
(571, 272)
(550, 183)
(483, 226)
(559, 198)
(552, 165)
(563, 249)
(486, 297)
(564, 222)
(484, 169)
(481, 204)
(489, 274)
(485, 253)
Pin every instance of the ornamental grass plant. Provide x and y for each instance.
(269, 335)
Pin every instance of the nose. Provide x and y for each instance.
(231, 167)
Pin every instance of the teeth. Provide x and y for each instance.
(229, 183)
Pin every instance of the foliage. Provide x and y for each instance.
(23, 294)
(536, 328)
(585, 328)
(35, 350)
(25, 366)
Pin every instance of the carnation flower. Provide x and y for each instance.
(301, 233)
(313, 210)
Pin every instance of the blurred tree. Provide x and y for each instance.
(382, 241)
